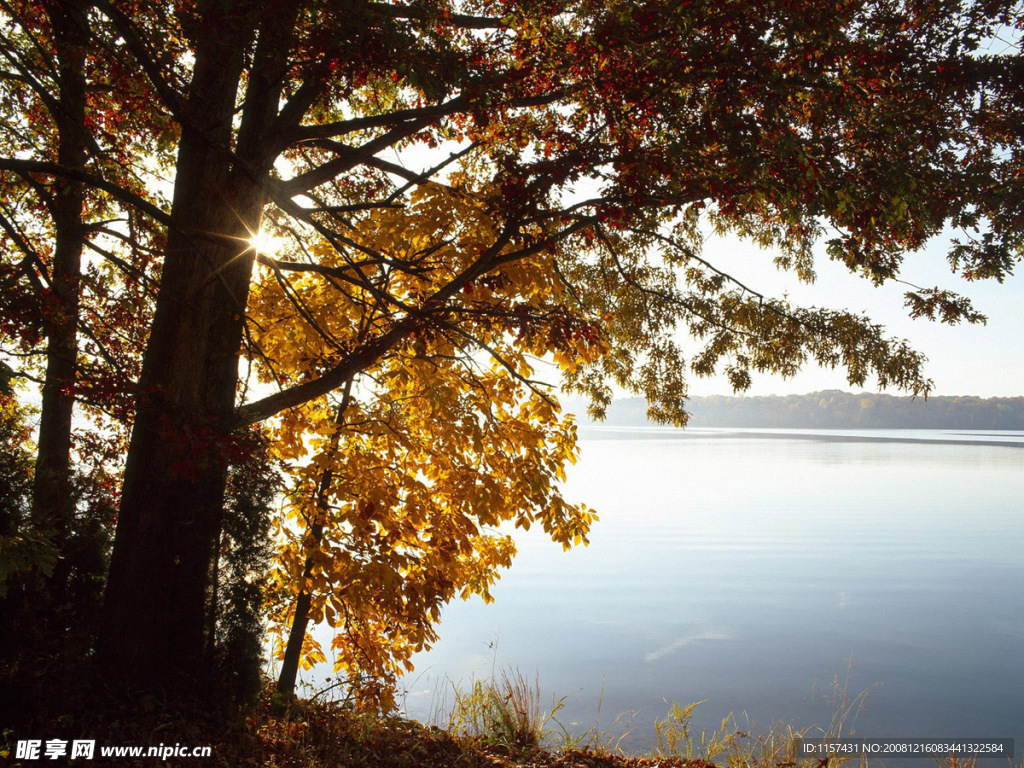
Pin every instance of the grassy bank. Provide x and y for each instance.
(325, 735)
(501, 723)
(498, 723)
(493, 724)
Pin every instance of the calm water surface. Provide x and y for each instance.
(751, 569)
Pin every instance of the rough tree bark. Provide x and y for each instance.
(153, 627)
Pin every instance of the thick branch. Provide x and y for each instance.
(367, 355)
(352, 364)
(388, 119)
(26, 167)
(350, 157)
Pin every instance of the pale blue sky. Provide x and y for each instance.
(987, 361)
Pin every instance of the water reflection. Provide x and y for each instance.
(749, 570)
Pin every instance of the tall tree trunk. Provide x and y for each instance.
(52, 509)
(154, 613)
(154, 622)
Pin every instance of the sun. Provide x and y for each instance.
(263, 242)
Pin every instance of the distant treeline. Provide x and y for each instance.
(833, 409)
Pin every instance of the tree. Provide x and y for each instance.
(598, 138)
(428, 452)
(56, 307)
(71, 323)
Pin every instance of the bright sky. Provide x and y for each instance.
(987, 361)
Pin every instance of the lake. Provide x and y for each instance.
(751, 569)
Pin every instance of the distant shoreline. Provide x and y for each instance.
(830, 409)
(674, 434)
